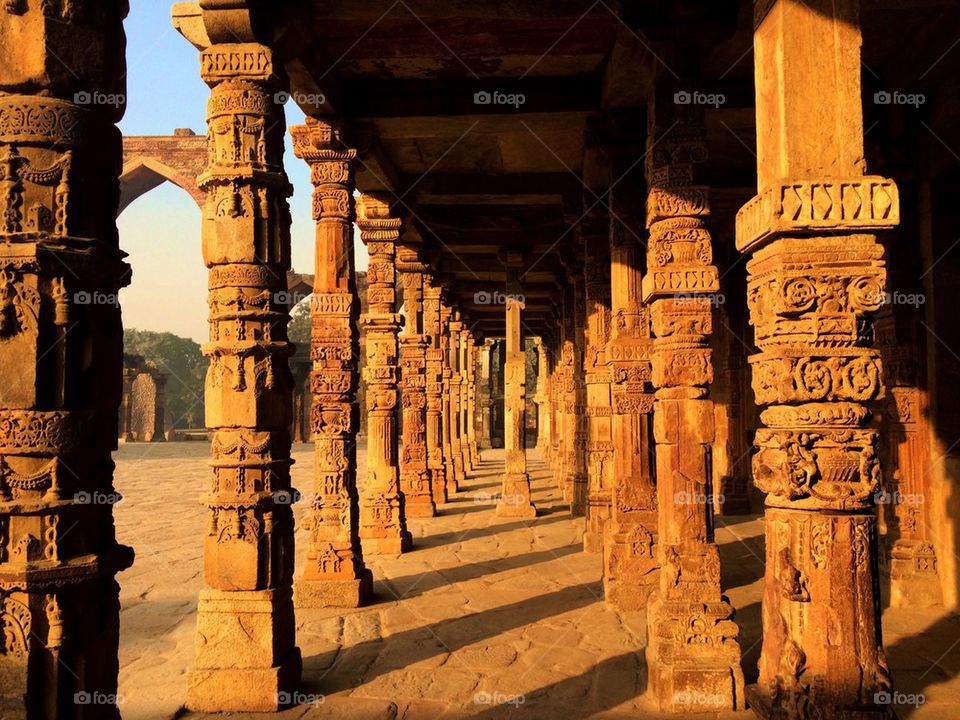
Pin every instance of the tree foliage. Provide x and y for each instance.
(186, 367)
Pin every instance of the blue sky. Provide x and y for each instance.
(161, 230)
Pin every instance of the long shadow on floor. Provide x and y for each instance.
(609, 683)
(741, 561)
(407, 586)
(929, 657)
(354, 666)
(468, 533)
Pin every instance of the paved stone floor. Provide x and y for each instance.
(487, 618)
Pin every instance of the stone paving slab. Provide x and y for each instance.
(487, 618)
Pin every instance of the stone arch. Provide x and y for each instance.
(149, 161)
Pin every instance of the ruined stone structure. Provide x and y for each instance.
(142, 415)
(665, 219)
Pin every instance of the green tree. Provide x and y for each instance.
(186, 367)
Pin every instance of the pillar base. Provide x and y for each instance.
(593, 542)
(693, 656)
(628, 597)
(528, 511)
(761, 702)
(913, 575)
(246, 652)
(349, 593)
(232, 690)
(419, 509)
(388, 545)
(515, 497)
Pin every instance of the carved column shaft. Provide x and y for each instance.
(248, 549)
(414, 477)
(434, 390)
(485, 395)
(383, 524)
(691, 629)
(463, 363)
(61, 358)
(596, 374)
(335, 574)
(449, 397)
(630, 563)
(515, 495)
(815, 281)
(456, 398)
(472, 399)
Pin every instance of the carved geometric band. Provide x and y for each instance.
(779, 379)
(39, 120)
(674, 279)
(28, 432)
(236, 61)
(856, 204)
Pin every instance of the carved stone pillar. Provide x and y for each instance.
(630, 562)
(815, 281)
(456, 398)
(485, 395)
(693, 655)
(515, 495)
(335, 574)
(246, 652)
(472, 354)
(463, 364)
(600, 467)
(126, 407)
(541, 398)
(449, 404)
(574, 401)
(383, 523)
(414, 477)
(567, 397)
(61, 359)
(434, 390)
(910, 555)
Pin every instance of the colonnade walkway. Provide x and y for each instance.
(486, 618)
